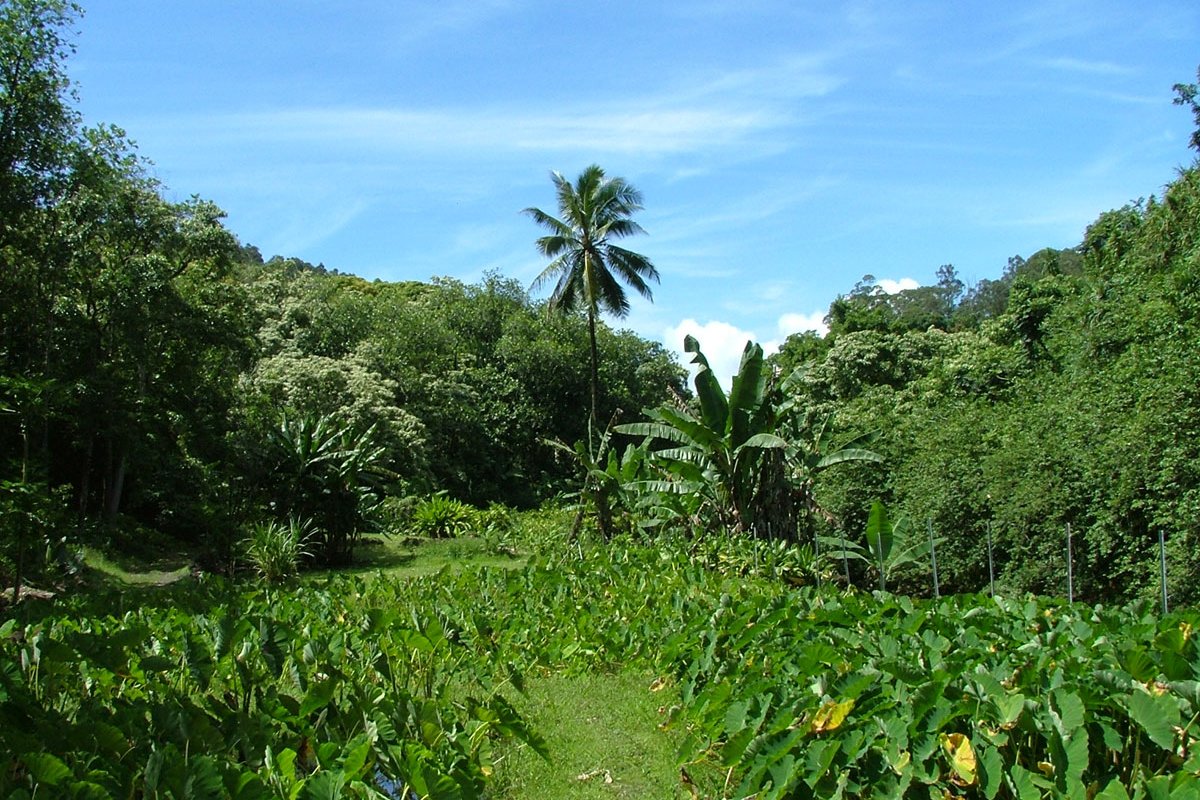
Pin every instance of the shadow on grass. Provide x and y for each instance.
(408, 557)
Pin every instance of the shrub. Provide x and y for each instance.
(442, 517)
(275, 549)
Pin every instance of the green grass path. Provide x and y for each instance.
(604, 740)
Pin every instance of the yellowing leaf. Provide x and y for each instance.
(830, 716)
(962, 758)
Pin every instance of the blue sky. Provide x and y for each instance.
(784, 149)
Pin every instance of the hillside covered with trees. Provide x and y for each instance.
(156, 372)
(1062, 393)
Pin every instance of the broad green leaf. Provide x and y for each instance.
(991, 771)
(203, 780)
(1022, 783)
(1115, 790)
(320, 693)
(1070, 711)
(879, 533)
(1158, 716)
(819, 758)
(713, 403)
(46, 769)
(325, 785)
(1008, 709)
(356, 760)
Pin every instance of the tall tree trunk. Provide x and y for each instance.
(85, 479)
(116, 486)
(595, 372)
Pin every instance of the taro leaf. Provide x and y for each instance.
(203, 780)
(1157, 714)
(46, 769)
(783, 774)
(516, 678)
(107, 738)
(156, 663)
(319, 694)
(1139, 664)
(1113, 791)
(735, 716)
(1159, 788)
(735, 747)
(355, 762)
(1069, 714)
(276, 641)
(830, 716)
(1024, 783)
(991, 771)
(1189, 691)
(249, 786)
(1008, 709)
(1172, 640)
(325, 785)
(1075, 747)
(957, 748)
(820, 758)
(154, 766)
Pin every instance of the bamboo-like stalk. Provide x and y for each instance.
(1162, 569)
(1070, 569)
(937, 592)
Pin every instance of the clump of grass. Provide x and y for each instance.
(275, 549)
(441, 517)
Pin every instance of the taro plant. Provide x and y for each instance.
(497, 524)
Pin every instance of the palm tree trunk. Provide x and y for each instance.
(595, 371)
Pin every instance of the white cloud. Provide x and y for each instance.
(799, 323)
(627, 129)
(721, 343)
(892, 286)
(1107, 68)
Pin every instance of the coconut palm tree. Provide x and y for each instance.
(587, 268)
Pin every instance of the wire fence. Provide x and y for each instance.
(991, 563)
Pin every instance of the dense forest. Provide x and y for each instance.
(159, 377)
(155, 372)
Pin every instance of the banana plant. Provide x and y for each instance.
(606, 478)
(717, 453)
(812, 450)
(894, 544)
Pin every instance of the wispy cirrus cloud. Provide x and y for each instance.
(1087, 67)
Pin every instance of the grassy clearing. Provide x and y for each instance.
(398, 557)
(604, 739)
(132, 572)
